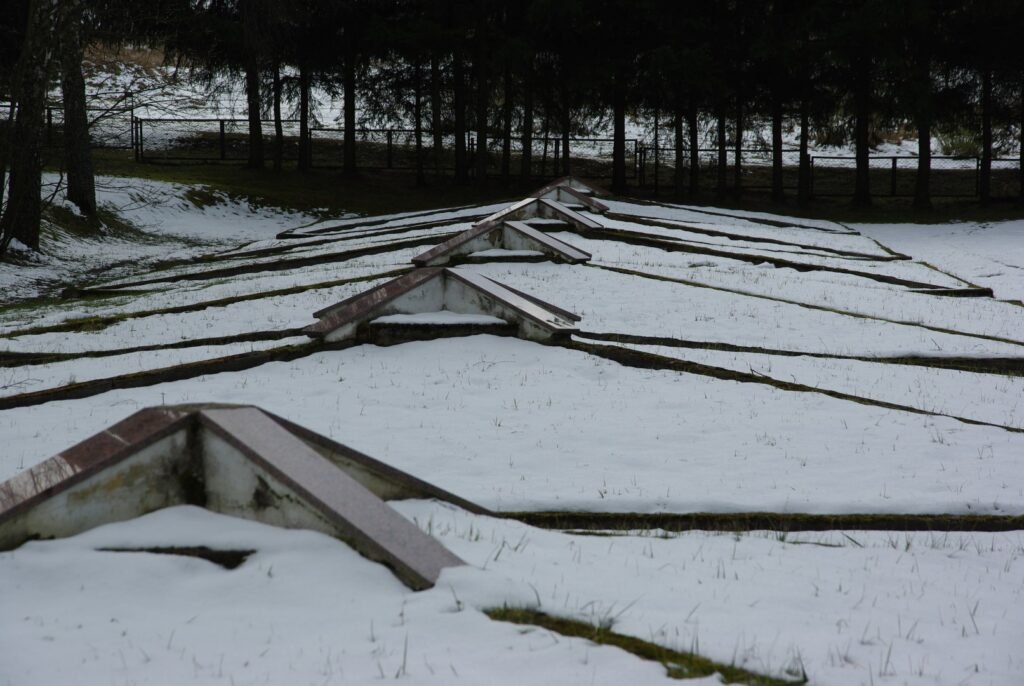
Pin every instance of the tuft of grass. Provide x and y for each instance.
(678, 665)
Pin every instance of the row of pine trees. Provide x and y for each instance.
(502, 70)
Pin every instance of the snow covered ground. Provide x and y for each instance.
(515, 425)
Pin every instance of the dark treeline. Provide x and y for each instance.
(513, 70)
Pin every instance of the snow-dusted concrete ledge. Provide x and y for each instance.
(515, 236)
(573, 194)
(432, 291)
(530, 210)
(235, 460)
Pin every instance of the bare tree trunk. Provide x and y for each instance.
(922, 181)
(5, 155)
(1020, 162)
(506, 116)
(418, 116)
(435, 113)
(23, 212)
(619, 135)
(679, 167)
(804, 178)
(81, 176)
(305, 149)
(985, 181)
(526, 161)
(349, 83)
(692, 130)
(723, 160)
(250, 31)
(566, 126)
(278, 126)
(778, 193)
(737, 168)
(459, 104)
(862, 113)
(482, 101)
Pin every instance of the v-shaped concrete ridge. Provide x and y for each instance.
(542, 209)
(435, 289)
(508, 235)
(236, 460)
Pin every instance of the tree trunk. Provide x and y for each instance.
(305, 144)
(1020, 162)
(566, 126)
(506, 116)
(862, 113)
(778, 192)
(250, 39)
(619, 135)
(804, 178)
(349, 84)
(435, 114)
(459, 104)
(526, 161)
(23, 212)
(5, 155)
(418, 116)
(678, 166)
(922, 181)
(691, 128)
(723, 160)
(278, 126)
(985, 180)
(77, 149)
(482, 101)
(737, 168)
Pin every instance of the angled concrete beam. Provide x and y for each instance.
(567, 195)
(235, 460)
(542, 208)
(507, 235)
(569, 182)
(257, 469)
(434, 290)
(138, 465)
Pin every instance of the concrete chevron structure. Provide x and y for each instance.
(437, 299)
(543, 212)
(572, 193)
(235, 460)
(500, 240)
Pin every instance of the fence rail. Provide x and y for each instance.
(223, 139)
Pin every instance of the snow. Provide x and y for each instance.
(501, 252)
(441, 318)
(989, 254)
(514, 425)
(848, 607)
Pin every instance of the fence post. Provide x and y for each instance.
(892, 182)
(223, 141)
(142, 140)
(558, 156)
(977, 177)
(810, 165)
(389, 148)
